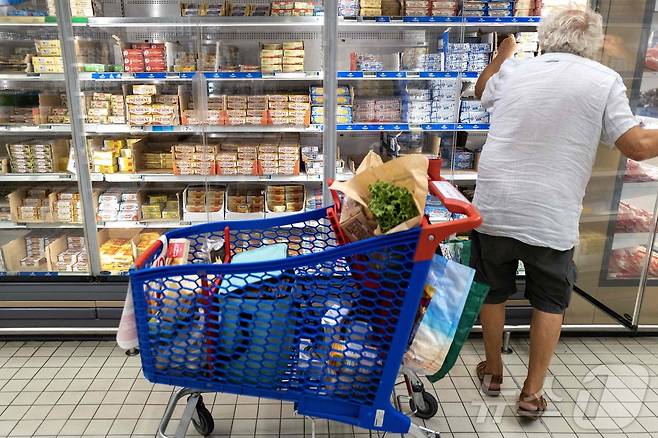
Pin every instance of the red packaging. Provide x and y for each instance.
(133, 60)
(141, 46)
(155, 61)
(177, 251)
(132, 52)
(154, 52)
(155, 68)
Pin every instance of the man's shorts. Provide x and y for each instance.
(550, 274)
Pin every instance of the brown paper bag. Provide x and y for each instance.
(409, 172)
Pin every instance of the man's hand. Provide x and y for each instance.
(508, 47)
(506, 50)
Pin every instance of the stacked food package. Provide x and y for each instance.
(462, 57)
(67, 207)
(161, 205)
(284, 199)
(36, 243)
(49, 57)
(245, 200)
(473, 112)
(344, 98)
(487, 8)
(207, 8)
(287, 57)
(313, 160)
(162, 161)
(145, 57)
(238, 158)
(377, 102)
(445, 8)
(194, 159)
(313, 199)
(203, 200)
(370, 8)
(35, 206)
(391, 8)
(116, 255)
(41, 157)
(417, 8)
(281, 159)
(74, 257)
(147, 107)
(348, 8)
(104, 108)
(291, 8)
(288, 109)
(79, 8)
(5, 206)
(444, 105)
(115, 205)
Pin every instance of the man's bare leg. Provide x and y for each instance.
(545, 331)
(493, 324)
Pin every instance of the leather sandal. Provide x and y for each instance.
(489, 383)
(531, 406)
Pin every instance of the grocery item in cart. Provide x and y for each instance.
(408, 172)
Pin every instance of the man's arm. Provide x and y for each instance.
(639, 144)
(506, 50)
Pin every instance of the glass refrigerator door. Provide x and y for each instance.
(41, 218)
(616, 257)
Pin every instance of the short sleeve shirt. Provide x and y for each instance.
(548, 116)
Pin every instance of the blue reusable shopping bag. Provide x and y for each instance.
(448, 284)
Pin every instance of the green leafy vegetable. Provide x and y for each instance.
(391, 205)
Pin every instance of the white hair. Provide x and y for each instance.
(579, 32)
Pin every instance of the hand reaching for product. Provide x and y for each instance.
(507, 48)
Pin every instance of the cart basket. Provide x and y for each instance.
(297, 328)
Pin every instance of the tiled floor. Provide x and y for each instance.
(598, 387)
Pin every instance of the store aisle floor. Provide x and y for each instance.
(598, 387)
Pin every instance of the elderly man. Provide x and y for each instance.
(548, 115)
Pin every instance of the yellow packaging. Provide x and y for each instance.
(148, 89)
(293, 45)
(138, 99)
(47, 60)
(292, 68)
(48, 68)
(293, 53)
(271, 53)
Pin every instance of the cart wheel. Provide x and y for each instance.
(206, 424)
(431, 406)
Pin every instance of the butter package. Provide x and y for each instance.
(148, 89)
(138, 99)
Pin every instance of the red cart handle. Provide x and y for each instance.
(432, 235)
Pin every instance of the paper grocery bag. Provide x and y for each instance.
(409, 172)
(371, 160)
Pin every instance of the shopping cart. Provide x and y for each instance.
(325, 327)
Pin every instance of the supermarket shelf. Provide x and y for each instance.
(627, 240)
(29, 177)
(144, 224)
(460, 175)
(35, 129)
(189, 76)
(397, 75)
(635, 189)
(396, 127)
(166, 177)
(9, 21)
(6, 225)
(237, 22)
(194, 129)
(393, 22)
(32, 77)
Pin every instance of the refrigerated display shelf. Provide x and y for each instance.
(32, 77)
(451, 21)
(195, 129)
(397, 75)
(427, 127)
(189, 76)
(167, 177)
(266, 22)
(35, 129)
(5, 225)
(28, 177)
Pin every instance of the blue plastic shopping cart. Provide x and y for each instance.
(324, 325)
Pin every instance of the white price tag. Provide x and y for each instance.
(449, 191)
